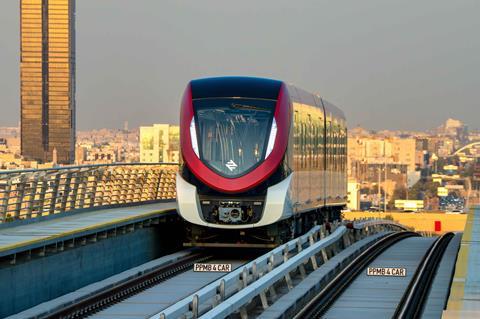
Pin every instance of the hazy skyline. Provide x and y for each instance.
(387, 64)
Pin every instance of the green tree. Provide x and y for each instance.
(422, 189)
(400, 192)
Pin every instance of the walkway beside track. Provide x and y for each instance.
(464, 300)
(66, 229)
(378, 296)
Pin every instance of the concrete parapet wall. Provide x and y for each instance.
(29, 283)
(423, 222)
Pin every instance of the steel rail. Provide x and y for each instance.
(108, 297)
(319, 304)
(413, 300)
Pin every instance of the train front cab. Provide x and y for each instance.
(308, 186)
(233, 145)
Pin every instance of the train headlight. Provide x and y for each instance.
(193, 137)
(271, 138)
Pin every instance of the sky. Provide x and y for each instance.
(388, 64)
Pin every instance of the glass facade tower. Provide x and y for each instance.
(47, 76)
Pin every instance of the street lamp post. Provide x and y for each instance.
(379, 194)
(385, 177)
(406, 181)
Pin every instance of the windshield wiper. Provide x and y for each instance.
(249, 107)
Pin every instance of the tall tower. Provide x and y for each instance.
(47, 76)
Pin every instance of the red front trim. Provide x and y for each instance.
(254, 177)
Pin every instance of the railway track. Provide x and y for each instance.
(169, 287)
(413, 301)
(116, 294)
(329, 294)
(416, 292)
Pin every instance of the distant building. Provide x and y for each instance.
(353, 193)
(381, 163)
(102, 155)
(380, 151)
(159, 143)
(455, 129)
(47, 80)
(410, 205)
(80, 155)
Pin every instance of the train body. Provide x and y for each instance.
(262, 161)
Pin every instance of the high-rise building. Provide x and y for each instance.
(47, 76)
(159, 143)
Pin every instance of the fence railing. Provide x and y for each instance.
(33, 193)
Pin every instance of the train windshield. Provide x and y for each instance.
(233, 133)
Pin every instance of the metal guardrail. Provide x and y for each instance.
(366, 223)
(32, 193)
(235, 290)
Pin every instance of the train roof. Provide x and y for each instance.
(301, 96)
(255, 87)
(235, 86)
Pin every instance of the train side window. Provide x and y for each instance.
(310, 144)
(339, 147)
(334, 156)
(303, 142)
(296, 141)
(321, 142)
(345, 149)
(315, 144)
(330, 146)
(337, 153)
(328, 151)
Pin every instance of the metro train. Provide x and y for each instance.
(262, 162)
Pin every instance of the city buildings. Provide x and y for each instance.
(47, 80)
(376, 158)
(107, 146)
(353, 194)
(454, 128)
(159, 143)
(389, 164)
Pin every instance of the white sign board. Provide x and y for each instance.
(212, 267)
(386, 271)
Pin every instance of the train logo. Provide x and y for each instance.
(231, 165)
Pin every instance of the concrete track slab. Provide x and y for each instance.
(159, 297)
(378, 296)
